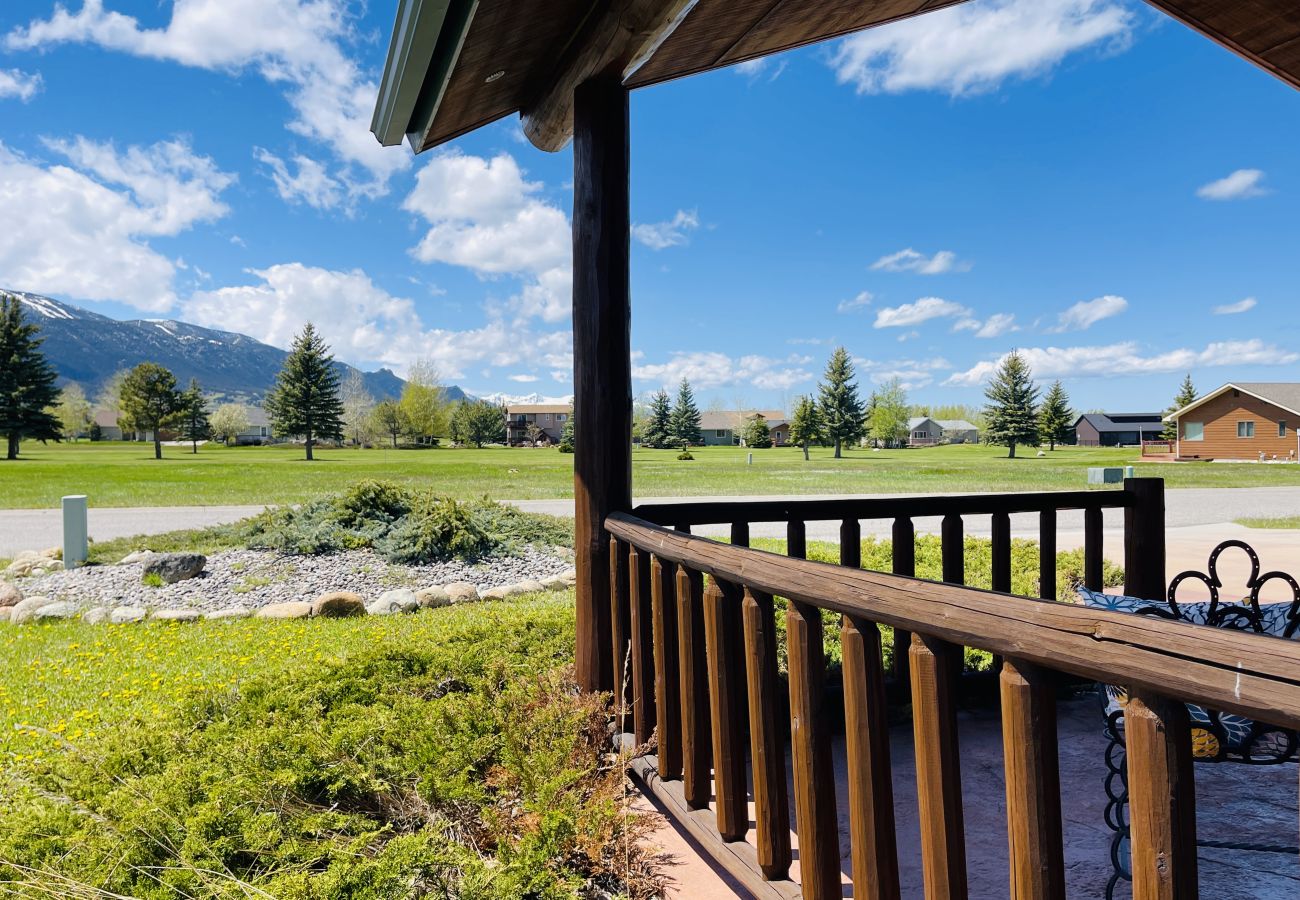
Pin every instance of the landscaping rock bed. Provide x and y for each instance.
(244, 582)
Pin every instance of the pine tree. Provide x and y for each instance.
(658, 430)
(1012, 410)
(1186, 397)
(26, 381)
(806, 427)
(684, 424)
(150, 400)
(192, 417)
(1055, 418)
(841, 409)
(567, 433)
(757, 433)
(305, 400)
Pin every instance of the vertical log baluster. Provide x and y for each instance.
(1047, 554)
(726, 697)
(936, 666)
(667, 670)
(740, 534)
(1001, 552)
(871, 791)
(814, 774)
(1162, 798)
(954, 549)
(1093, 549)
(766, 743)
(851, 543)
(697, 756)
(796, 539)
(643, 695)
(1033, 780)
(903, 550)
(620, 629)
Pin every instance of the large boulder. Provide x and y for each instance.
(25, 610)
(5, 613)
(59, 609)
(137, 556)
(531, 586)
(555, 583)
(9, 594)
(461, 592)
(401, 600)
(294, 609)
(125, 615)
(174, 567)
(96, 615)
(177, 615)
(433, 597)
(230, 612)
(338, 605)
(500, 592)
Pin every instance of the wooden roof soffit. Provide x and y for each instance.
(616, 40)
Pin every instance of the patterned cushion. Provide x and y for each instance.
(1273, 618)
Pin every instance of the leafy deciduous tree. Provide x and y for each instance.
(358, 406)
(73, 410)
(305, 400)
(478, 422)
(388, 418)
(887, 422)
(840, 407)
(150, 400)
(424, 403)
(228, 420)
(26, 380)
(1012, 411)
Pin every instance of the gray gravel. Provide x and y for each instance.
(255, 578)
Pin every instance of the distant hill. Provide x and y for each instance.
(88, 348)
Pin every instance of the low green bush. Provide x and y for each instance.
(685, 455)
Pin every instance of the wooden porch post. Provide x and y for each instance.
(602, 368)
(1144, 539)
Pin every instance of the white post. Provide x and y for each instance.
(751, 459)
(76, 545)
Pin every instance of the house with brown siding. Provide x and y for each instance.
(1246, 420)
(546, 418)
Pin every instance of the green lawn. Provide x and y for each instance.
(1287, 522)
(118, 474)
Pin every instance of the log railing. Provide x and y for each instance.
(694, 620)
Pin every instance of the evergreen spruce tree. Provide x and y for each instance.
(658, 430)
(305, 400)
(150, 400)
(1012, 411)
(841, 410)
(684, 423)
(806, 427)
(193, 416)
(758, 434)
(567, 433)
(26, 381)
(1186, 396)
(1056, 417)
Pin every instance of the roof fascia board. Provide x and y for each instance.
(415, 36)
(1219, 393)
(451, 40)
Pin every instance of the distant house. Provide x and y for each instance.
(109, 430)
(724, 428)
(1246, 420)
(549, 419)
(780, 429)
(259, 429)
(1117, 429)
(923, 431)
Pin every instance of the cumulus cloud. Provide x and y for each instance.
(712, 369)
(973, 48)
(673, 233)
(19, 84)
(914, 374)
(1240, 185)
(909, 260)
(85, 228)
(855, 304)
(764, 66)
(311, 184)
(922, 310)
(995, 325)
(1127, 358)
(297, 44)
(1232, 309)
(1086, 313)
(523, 378)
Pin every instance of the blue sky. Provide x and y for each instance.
(1086, 180)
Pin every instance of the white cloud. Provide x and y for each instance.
(311, 185)
(84, 231)
(1127, 358)
(712, 369)
(914, 374)
(754, 69)
(16, 83)
(1240, 185)
(973, 48)
(910, 260)
(995, 325)
(294, 43)
(1232, 309)
(856, 304)
(673, 233)
(915, 313)
(523, 379)
(1086, 313)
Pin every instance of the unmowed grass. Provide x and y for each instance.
(444, 754)
(1279, 522)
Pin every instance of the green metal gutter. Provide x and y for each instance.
(427, 38)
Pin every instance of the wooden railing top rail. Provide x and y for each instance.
(1233, 671)
(814, 510)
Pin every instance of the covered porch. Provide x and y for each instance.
(791, 788)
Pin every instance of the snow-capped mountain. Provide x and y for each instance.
(502, 399)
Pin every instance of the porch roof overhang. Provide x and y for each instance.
(456, 65)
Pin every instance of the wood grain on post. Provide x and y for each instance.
(663, 591)
(871, 791)
(1162, 798)
(796, 539)
(1144, 539)
(726, 697)
(936, 666)
(697, 750)
(766, 741)
(903, 552)
(1033, 783)
(953, 535)
(740, 534)
(851, 543)
(1001, 552)
(642, 633)
(814, 773)
(1047, 554)
(620, 630)
(1093, 550)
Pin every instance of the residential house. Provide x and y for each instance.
(1117, 429)
(923, 431)
(1246, 420)
(780, 429)
(725, 428)
(547, 418)
(109, 430)
(259, 429)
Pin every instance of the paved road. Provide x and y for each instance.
(1187, 509)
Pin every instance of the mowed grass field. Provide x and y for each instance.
(124, 474)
